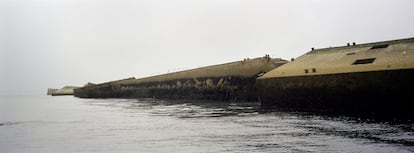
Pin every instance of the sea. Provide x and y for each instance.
(66, 124)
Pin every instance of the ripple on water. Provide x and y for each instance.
(149, 125)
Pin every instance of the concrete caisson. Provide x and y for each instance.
(366, 79)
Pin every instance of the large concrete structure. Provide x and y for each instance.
(226, 82)
(372, 79)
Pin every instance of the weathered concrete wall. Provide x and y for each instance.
(380, 93)
(341, 80)
(226, 88)
(104, 90)
(227, 82)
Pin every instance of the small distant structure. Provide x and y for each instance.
(89, 84)
(50, 91)
(267, 56)
(67, 90)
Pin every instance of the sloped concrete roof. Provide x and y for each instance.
(386, 55)
(248, 67)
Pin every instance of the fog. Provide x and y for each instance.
(53, 43)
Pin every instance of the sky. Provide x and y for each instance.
(54, 43)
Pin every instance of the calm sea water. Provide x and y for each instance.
(46, 124)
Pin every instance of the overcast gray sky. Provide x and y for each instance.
(53, 43)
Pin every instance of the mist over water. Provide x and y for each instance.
(67, 124)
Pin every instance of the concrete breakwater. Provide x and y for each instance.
(370, 79)
(233, 81)
(364, 79)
